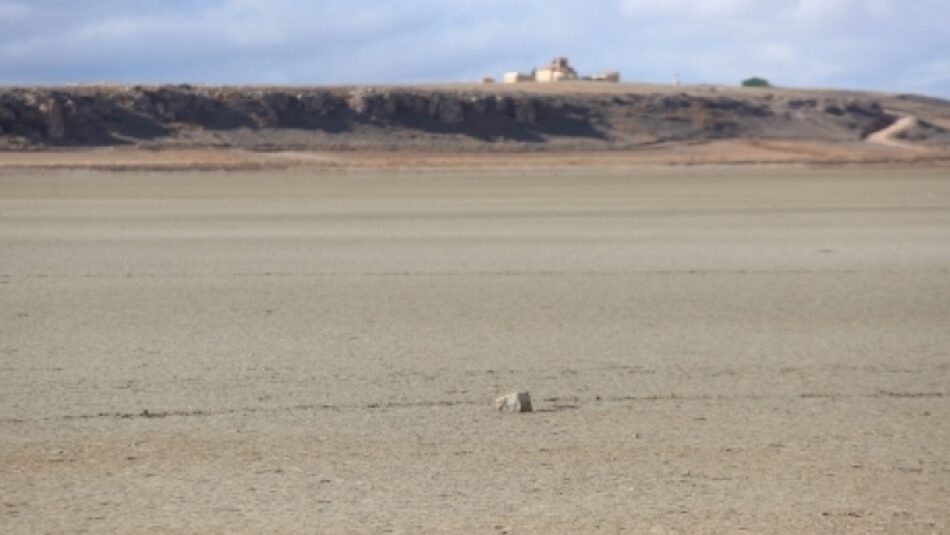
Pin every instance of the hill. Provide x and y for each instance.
(518, 117)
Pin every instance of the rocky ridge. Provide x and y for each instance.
(367, 117)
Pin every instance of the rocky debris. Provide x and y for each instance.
(55, 124)
(331, 118)
(451, 111)
(514, 402)
(358, 102)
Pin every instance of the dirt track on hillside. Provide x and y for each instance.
(889, 136)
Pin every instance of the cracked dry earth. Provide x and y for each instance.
(711, 350)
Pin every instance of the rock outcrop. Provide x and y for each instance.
(340, 118)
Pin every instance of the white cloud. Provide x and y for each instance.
(882, 9)
(854, 43)
(821, 10)
(13, 12)
(689, 8)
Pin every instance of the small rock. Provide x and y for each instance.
(515, 402)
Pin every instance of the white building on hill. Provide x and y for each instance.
(516, 77)
(559, 70)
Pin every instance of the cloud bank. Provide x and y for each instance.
(869, 44)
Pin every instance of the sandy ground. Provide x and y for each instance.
(882, 149)
(710, 349)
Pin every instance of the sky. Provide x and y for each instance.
(892, 45)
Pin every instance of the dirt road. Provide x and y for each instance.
(889, 135)
(711, 350)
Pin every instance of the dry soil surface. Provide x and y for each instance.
(710, 350)
(880, 149)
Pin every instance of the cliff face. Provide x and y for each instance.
(322, 118)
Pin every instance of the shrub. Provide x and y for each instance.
(756, 82)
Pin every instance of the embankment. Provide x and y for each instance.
(460, 118)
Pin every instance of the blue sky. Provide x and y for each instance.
(897, 45)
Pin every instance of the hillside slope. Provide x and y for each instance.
(566, 116)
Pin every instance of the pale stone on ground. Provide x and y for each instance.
(514, 402)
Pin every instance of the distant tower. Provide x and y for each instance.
(676, 79)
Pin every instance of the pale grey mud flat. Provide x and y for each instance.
(708, 350)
